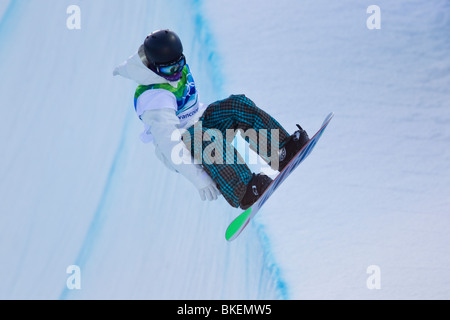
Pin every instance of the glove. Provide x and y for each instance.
(208, 189)
(210, 192)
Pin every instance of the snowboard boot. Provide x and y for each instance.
(255, 188)
(294, 144)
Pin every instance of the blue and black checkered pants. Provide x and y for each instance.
(219, 124)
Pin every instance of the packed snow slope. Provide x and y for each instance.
(376, 189)
(77, 186)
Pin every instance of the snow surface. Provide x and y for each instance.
(77, 186)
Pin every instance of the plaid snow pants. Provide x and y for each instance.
(219, 124)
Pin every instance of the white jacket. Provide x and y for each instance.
(157, 110)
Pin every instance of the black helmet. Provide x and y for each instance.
(163, 47)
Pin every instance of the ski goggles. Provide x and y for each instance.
(171, 68)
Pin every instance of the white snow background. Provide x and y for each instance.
(77, 187)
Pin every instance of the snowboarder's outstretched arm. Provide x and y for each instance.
(163, 122)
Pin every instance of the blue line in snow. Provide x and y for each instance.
(8, 21)
(97, 220)
(206, 38)
(273, 267)
(208, 43)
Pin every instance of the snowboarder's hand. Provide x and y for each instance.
(208, 189)
(210, 192)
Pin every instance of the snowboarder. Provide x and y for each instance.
(166, 100)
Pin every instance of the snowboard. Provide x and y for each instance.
(238, 225)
